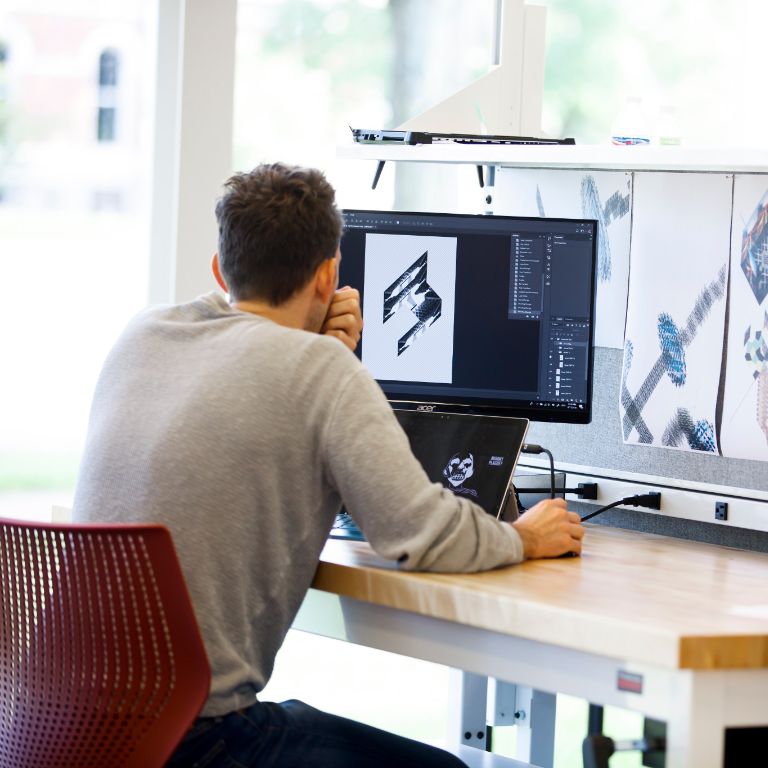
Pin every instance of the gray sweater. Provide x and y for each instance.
(243, 437)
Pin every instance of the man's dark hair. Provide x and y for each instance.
(277, 224)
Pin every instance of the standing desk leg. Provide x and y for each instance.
(466, 708)
(535, 712)
(696, 729)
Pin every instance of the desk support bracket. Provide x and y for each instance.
(536, 729)
(466, 712)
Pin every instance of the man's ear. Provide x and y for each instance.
(326, 279)
(217, 273)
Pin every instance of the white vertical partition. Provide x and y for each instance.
(506, 100)
(193, 141)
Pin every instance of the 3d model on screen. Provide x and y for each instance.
(411, 289)
(756, 354)
(459, 469)
(673, 341)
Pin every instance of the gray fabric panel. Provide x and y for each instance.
(708, 533)
(599, 444)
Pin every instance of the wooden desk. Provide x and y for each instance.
(684, 624)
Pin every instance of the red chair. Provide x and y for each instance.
(101, 660)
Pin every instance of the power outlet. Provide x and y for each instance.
(721, 510)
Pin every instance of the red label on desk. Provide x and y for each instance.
(630, 682)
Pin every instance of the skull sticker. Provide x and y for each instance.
(459, 469)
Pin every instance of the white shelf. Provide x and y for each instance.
(589, 156)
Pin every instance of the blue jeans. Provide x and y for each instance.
(294, 735)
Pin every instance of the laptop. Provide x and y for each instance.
(472, 456)
(385, 136)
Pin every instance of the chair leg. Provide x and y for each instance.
(596, 749)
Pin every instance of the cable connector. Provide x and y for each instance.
(651, 500)
(586, 491)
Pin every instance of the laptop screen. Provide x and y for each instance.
(471, 456)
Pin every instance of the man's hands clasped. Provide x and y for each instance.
(344, 319)
(548, 529)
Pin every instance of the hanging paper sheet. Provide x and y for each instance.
(673, 351)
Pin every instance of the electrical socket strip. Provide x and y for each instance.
(686, 500)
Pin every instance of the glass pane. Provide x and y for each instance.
(74, 220)
(696, 66)
(307, 70)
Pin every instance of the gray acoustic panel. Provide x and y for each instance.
(599, 444)
(708, 533)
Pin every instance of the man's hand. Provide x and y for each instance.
(548, 529)
(344, 319)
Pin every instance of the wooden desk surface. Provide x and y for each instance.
(634, 596)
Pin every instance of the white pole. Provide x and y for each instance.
(193, 141)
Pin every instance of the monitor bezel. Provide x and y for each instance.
(499, 406)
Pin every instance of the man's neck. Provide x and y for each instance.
(280, 314)
(291, 313)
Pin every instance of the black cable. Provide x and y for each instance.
(603, 509)
(649, 500)
(535, 449)
(520, 506)
(551, 473)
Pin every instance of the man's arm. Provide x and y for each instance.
(418, 523)
(344, 319)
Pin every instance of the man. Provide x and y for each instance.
(243, 426)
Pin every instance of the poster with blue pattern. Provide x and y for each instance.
(674, 341)
(744, 430)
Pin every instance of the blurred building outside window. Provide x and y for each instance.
(76, 111)
(107, 115)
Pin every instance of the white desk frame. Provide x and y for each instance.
(696, 705)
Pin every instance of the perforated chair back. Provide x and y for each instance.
(101, 660)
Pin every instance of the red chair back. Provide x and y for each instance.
(101, 660)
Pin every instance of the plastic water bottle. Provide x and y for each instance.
(631, 125)
(669, 127)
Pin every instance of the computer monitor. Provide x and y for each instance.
(476, 313)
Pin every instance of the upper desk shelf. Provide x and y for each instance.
(591, 156)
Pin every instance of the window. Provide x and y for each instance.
(307, 70)
(74, 225)
(698, 63)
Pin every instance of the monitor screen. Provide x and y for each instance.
(486, 314)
